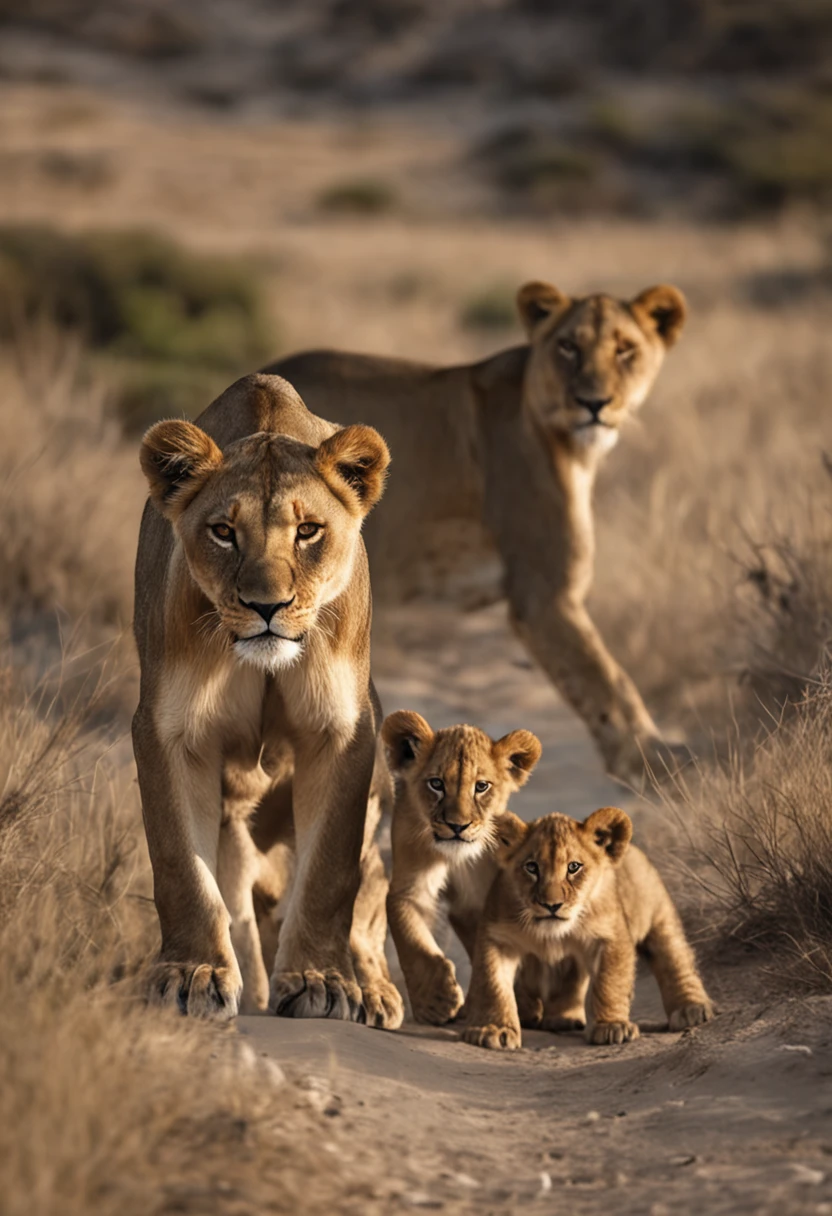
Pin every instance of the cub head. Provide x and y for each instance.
(593, 361)
(555, 864)
(269, 527)
(457, 780)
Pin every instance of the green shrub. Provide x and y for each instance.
(493, 308)
(363, 196)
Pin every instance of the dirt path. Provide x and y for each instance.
(735, 1117)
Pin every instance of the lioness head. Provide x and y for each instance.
(457, 779)
(555, 864)
(593, 361)
(269, 527)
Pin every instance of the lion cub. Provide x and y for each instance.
(451, 784)
(576, 891)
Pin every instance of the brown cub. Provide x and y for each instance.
(578, 892)
(451, 785)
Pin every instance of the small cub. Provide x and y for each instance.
(579, 893)
(451, 785)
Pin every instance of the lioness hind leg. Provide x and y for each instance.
(238, 867)
(383, 1004)
(673, 963)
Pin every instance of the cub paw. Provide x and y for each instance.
(612, 1032)
(498, 1038)
(383, 1005)
(200, 991)
(690, 1015)
(438, 997)
(556, 1024)
(315, 994)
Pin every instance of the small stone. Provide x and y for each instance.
(800, 1048)
(592, 1116)
(683, 1159)
(806, 1175)
(545, 1183)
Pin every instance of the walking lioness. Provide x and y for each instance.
(252, 623)
(506, 451)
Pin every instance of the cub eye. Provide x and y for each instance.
(224, 533)
(437, 784)
(531, 867)
(482, 786)
(307, 530)
(574, 866)
(568, 349)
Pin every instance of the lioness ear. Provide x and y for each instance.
(519, 751)
(177, 458)
(611, 829)
(405, 734)
(537, 302)
(353, 463)
(661, 310)
(510, 831)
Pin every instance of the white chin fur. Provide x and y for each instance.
(601, 439)
(268, 652)
(458, 850)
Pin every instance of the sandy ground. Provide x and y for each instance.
(734, 1117)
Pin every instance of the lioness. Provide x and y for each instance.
(450, 787)
(252, 621)
(505, 452)
(575, 891)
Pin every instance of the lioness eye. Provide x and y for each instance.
(567, 348)
(437, 784)
(308, 530)
(482, 786)
(531, 867)
(573, 867)
(223, 532)
(626, 350)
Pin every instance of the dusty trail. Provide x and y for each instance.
(734, 1117)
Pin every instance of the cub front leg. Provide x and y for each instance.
(313, 973)
(197, 972)
(430, 978)
(611, 993)
(491, 1009)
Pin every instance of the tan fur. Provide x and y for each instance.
(501, 454)
(588, 923)
(442, 841)
(252, 622)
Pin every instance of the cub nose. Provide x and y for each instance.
(593, 404)
(458, 828)
(267, 611)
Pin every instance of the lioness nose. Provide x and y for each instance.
(267, 611)
(593, 404)
(553, 908)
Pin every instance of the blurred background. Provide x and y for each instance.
(191, 189)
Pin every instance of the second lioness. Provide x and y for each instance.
(451, 785)
(502, 455)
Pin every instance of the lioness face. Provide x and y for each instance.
(593, 361)
(269, 528)
(457, 779)
(555, 865)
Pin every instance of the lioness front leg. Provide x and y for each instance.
(313, 974)
(181, 803)
(238, 867)
(491, 1009)
(611, 993)
(383, 1004)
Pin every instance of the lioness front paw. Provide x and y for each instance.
(383, 1005)
(498, 1038)
(612, 1032)
(438, 998)
(315, 994)
(200, 991)
(690, 1015)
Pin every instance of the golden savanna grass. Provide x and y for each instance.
(714, 587)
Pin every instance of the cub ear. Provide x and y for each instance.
(353, 462)
(519, 751)
(611, 829)
(405, 734)
(177, 458)
(538, 302)
(510, 832)
(661, 310)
